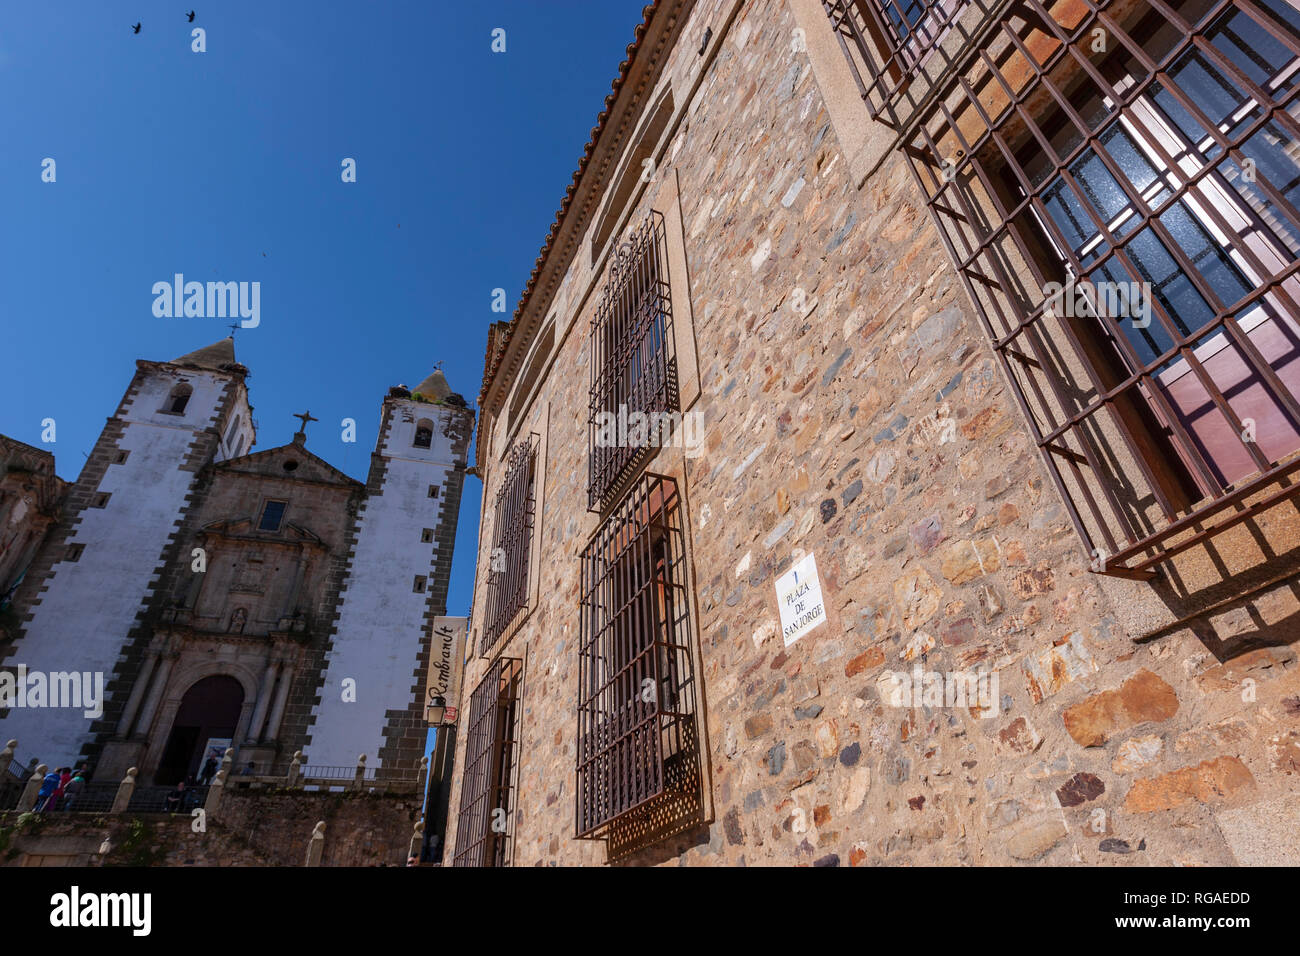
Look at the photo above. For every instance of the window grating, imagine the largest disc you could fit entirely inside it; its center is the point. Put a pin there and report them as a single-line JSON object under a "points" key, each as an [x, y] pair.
{"points": [[487, 785], [891, 44], [633, 366], [513, 534], [1117, 186], [638, 752]]}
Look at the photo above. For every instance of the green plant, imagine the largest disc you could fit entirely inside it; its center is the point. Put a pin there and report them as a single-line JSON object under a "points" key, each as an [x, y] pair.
{"points": [[136, 849]]}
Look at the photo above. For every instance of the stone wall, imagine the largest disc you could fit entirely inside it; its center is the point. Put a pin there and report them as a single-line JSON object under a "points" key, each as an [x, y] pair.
{"points": [[255, 829], [852, 409]]}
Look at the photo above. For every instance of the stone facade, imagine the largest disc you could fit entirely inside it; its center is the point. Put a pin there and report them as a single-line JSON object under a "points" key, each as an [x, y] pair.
{"points": [[30, 494], [257, 828], [852, 409]]}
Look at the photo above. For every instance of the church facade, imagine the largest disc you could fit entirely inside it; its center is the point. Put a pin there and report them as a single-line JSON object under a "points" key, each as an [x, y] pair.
{"points": [[261, 597]]}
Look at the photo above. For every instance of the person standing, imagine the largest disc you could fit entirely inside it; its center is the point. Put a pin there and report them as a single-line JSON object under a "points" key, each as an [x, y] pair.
{"points": [[65, 778], [49, 783], [73, 790], [210, 768]]}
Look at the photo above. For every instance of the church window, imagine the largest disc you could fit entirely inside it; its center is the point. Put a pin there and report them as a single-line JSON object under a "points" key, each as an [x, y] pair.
{"points": [[420, 582], [120, 459], [633, 366], [74, 552], [230, 432], [178, 399], [487, 794], [272, 515], [638, 757], [427, 535], [101, 499], [512, 537], [423, 433], [433, 491]]}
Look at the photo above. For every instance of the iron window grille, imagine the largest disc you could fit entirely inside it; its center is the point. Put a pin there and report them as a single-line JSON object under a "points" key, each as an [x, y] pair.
{"points": [[638, 756], [890, 43], [1164, 160], [487, 790], [512, 538], [633, 364]]}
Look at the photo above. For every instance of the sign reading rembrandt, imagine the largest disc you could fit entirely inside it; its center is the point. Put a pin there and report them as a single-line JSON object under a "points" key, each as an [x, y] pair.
{"points": [[446, 655], [799, 597]]}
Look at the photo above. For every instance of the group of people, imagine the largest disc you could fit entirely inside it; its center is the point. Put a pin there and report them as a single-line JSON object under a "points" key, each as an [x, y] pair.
{"points": [[61, 788]]}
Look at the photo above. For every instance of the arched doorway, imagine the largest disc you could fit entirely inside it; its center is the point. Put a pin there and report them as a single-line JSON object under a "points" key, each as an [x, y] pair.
{"points": [[210, 708]]}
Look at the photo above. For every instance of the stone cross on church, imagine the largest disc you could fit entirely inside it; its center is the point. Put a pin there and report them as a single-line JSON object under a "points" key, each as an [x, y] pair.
{"points": [[301, 435]]}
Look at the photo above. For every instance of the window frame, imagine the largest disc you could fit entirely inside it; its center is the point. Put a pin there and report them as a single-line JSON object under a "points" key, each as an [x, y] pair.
{"points": [[284, 510], [638, 760], [514, 519], [998, 250], [489, 780], [632, 341]]}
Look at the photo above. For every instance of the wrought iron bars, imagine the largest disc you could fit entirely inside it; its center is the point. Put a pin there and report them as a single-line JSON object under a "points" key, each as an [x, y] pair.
{"points": [[512, 538], [638, 754], [488, 782], [633, 364], [1118, 143]]}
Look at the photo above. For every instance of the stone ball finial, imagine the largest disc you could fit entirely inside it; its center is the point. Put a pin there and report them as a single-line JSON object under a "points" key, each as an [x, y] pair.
{"points": [[319, 830], [424, 761], [297, 755], [361, 758], [12, 745], [132, 773]]}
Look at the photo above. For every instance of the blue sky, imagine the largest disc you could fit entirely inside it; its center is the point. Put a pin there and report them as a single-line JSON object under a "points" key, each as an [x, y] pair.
{"points": [[225, 165]]}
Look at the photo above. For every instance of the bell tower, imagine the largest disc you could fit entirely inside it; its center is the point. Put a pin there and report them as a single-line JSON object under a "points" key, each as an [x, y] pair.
{"points": [[371, 697], [86, 595]]}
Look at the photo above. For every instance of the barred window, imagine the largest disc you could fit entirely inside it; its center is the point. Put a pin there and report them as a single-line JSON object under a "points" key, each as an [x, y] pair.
{"points": [[512, 537], [487, 790], [638, 751], [633, 367], [888, 43], [1117, 186]]}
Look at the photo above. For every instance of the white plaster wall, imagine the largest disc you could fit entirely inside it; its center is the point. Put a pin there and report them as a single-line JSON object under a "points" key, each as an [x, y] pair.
{"points": [[82, 620], [382, 619]]}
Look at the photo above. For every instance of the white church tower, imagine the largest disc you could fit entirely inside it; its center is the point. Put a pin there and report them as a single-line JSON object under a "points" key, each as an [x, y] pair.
{"points": [[371, 699], [86, 595]]}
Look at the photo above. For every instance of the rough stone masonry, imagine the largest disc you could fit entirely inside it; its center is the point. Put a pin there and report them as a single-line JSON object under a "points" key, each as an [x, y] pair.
{"points": [[863, 419]]}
